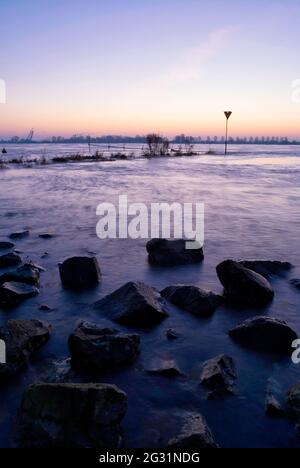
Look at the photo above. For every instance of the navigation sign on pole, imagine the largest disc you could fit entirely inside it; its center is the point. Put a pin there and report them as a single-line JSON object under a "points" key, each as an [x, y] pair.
{"points": [[227, 115]]}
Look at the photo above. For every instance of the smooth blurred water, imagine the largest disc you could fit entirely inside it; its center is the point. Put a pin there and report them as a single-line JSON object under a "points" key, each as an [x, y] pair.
{"points": [[252, 211]]}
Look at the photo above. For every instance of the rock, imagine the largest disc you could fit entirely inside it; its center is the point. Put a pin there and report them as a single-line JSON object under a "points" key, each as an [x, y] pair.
{"points": [[35, 266], [6, 245], [266, 267], [193, 299], [19, 235], [243, 286], [273, 407], [9, 260], [219, 376], [195, 435], [44, 308], [163, 252], [171, 334], [165, 369], [24, 274], [95, 349], [46, 236], [80, 273], [71, 416], [134, 304], [265, 334], [22, 338], [12, 294], [293, 402], [295, 282]]}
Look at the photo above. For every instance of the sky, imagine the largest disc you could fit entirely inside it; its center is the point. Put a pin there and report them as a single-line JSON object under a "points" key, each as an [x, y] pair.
{"points": [[132, 67]]}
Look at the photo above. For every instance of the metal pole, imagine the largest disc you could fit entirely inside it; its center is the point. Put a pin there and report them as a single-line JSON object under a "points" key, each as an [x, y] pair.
{"points": [[227, 115]]}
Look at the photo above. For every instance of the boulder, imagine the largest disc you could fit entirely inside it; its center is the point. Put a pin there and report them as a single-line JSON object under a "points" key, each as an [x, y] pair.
{"points": [[163, 252], [45, 308], [12, 294], [46, 236], [273, 407], [243, 286], [134, 304], [296, 283], [95, 349], [80, 273], [193, 299], [195, 435], [165, 369], [71, 416], [6, 245], [267, 267], [24, 274], [19, 235], [293, 402], [265, 334], [9, 260], [22, 338], [172, 334], [219, 376]]}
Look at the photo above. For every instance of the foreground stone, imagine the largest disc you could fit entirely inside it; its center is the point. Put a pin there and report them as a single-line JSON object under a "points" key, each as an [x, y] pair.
{"points": [[295, 282], [163, 252], [265, 334], [195, 435], [9, 260], [24, 274], [165, 369], [19, 235], [22, 339], [267, 267], [71, 416], [6, 245], [80, 273], [243, 286], [134, 304], [193, 299], [93, 348], [12, 294], [219, 376]]}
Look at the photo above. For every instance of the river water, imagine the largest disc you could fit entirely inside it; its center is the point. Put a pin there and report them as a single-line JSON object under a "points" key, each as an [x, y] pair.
{"points": [[251, 211]]}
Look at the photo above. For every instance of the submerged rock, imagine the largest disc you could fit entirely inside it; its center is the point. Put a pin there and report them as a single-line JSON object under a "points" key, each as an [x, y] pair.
{"points": [[6, 245], [12, 294], [193, 299], [273, 406], [219, 376], [195, 435], [163, 252], [171, 334], [9, 260], [80, 273], [167, 368], [59, 371], [267, 267], [35, 266], [45, 308], [22, 338], [46, 236], [265, 334], [71, 416], [24, 274], [93, 348], [134, 304], [19, 235], [243, 286], [295, 282]]}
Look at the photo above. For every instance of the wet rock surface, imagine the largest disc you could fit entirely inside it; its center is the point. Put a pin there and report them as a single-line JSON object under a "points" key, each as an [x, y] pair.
{"points": [[19, 234], [93, 348], [219, 376], [195, 434], [165, 368], [193, 299], [267, 268], [265, 334], [80, 273], [6, 245], [163, 252], [12, 294], [71, 416], [22, 339], [9, 260], [134, 304], [24, 274], [243, 286]]}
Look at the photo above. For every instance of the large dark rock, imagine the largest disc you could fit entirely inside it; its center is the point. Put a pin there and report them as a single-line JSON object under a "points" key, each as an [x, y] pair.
{"points": [[134, 304], [267, 267], [80, 273], [296, 283], [71, 416], [265, 334], [163, 252], [22, 338], [219, 376], [195, 435], [243, 286], [6, 245], [193, 299], [9, 260], [12, 294], [24, 274], [93, 348], [19, 235]]}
